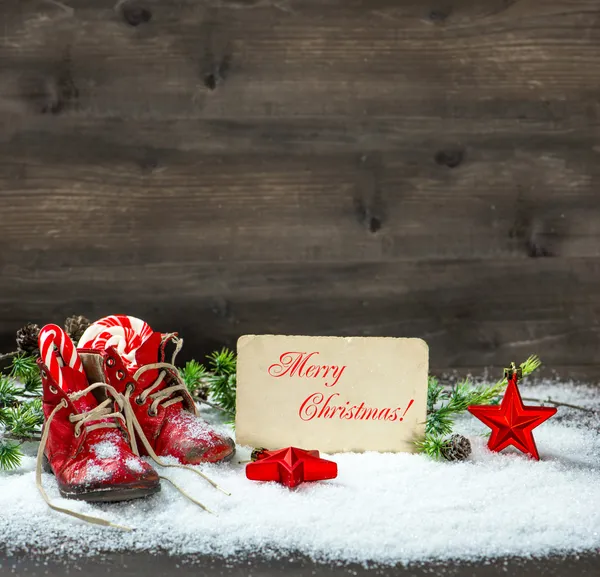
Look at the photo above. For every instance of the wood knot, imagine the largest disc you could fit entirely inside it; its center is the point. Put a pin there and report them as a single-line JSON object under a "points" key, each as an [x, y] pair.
{"points": [[210, 81], [439, 14], [216, 71], [366, 217], [134, 14], [449, 158]]}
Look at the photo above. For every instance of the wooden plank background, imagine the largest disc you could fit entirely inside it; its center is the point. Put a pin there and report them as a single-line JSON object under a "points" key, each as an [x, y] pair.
{"points": [[372, 167]]}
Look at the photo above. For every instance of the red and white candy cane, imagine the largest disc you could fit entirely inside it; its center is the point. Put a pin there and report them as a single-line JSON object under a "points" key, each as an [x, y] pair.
{"points": [[123, 332], [58, 350]]}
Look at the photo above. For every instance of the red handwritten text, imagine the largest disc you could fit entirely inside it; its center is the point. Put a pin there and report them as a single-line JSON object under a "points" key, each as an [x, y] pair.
{"points": [[295, 364], [318, 406]]}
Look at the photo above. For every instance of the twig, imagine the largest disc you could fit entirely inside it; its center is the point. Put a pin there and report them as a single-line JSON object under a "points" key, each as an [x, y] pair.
{"points": [[559, 404], [219, 408], [30, 439], [8, 355]]}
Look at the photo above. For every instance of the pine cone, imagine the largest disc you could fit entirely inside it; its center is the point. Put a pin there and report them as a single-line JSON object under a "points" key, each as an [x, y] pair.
{"points": [[257, 454], [27, 339], [456, 448], [75, 326]]}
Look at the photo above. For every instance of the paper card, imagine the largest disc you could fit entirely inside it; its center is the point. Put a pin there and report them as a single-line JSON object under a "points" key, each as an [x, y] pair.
{"points": [[333, 394]]}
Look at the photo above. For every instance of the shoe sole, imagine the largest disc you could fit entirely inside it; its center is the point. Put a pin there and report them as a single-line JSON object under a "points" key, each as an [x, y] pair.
{"points": [[108, 495]]}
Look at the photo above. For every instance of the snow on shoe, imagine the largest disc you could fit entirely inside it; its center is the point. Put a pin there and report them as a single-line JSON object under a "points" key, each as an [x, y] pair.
{"points": [[161, 403], [83, 443]]}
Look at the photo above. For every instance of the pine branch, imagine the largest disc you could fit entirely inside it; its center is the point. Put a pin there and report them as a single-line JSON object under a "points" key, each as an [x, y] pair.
{"points": [[194, 376], [24, 367], [10, 455], [22, 420], [8, 392], [431, 446], [222, 381]]}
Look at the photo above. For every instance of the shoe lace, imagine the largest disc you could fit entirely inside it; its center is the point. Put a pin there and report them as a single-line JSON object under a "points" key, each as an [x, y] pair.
{"points": [[105, 412], [164, 398]]}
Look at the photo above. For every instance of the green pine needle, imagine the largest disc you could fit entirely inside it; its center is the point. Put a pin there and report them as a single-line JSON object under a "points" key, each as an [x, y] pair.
{"points": [[23, 420], [8, 392], [33, 384], [10, 456], [222, 380], [24, 367], [194, 375], [431, 446]]}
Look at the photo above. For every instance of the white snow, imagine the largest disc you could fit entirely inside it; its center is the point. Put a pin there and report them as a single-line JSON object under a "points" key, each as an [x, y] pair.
{"points": [[134, 464], [106, 449], [95, 473], [383, 508]]}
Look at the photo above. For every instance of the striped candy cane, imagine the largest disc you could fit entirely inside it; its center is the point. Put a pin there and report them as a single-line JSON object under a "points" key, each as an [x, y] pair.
{"points": [[58, 350], [123, 332]]}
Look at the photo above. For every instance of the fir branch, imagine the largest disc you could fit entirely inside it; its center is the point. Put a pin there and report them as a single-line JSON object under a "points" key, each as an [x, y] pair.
{"points": [[194, 376], [431, 445], [222, 381], [33, 384], [8, 392], [24, 367], [22, 420], [10, 455]]}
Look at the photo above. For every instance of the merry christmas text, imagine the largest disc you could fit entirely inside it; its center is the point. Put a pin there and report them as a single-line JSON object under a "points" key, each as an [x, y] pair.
{"points": [[296, 364]]}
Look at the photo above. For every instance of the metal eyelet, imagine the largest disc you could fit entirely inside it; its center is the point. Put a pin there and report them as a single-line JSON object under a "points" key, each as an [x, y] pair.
{"points": [[53, 390], [152, 413], [120, 375], [78, 433], [130, 387], [139, 401], [44, 373], [110, 361]]}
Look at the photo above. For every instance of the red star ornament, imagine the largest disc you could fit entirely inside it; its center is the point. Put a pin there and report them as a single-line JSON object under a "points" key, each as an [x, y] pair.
{"points": [[290, 467], [512, 422]]}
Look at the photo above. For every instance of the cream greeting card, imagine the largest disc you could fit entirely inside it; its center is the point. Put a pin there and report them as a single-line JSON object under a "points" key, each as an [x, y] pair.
{"points": [[333, 394]]}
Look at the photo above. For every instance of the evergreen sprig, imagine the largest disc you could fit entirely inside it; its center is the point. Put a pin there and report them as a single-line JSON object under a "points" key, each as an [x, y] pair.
{"points": [[10, 455], [443, 405], [216, 382], [194, 376], [222, 379], [20, 409]]}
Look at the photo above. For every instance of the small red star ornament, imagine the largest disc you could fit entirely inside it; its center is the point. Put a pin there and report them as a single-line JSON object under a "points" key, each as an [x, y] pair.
{"points": [[290, 467], [512, 422]]}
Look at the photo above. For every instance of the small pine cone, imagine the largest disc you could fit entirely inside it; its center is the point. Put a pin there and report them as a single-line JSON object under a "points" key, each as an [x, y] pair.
{"points": [[456, 448], [27, 339], [75, 326], [257, 454]]}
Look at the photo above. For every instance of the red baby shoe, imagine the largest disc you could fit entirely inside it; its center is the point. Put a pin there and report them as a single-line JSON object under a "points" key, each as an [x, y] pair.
{"points": [[127, 354], [83, 443]]}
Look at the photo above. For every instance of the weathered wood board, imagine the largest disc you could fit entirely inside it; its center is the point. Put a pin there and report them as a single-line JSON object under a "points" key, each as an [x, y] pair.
{"points": [[375, 167]]}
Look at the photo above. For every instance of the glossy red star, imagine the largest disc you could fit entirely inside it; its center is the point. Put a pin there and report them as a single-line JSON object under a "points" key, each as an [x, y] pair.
{"points": [[290, 467], [512, 422]]}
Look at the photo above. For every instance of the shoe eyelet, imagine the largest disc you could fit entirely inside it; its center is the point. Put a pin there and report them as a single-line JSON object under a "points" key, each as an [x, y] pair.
{"points": [[110, 361], [44, 373], [130, 387], [139, 401], [120, 375], [78, 433], [53, 390], [152, 413]]}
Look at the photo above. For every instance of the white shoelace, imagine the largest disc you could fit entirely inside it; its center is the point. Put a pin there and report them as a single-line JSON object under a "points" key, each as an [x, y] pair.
{"points": [[132, 425]]}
